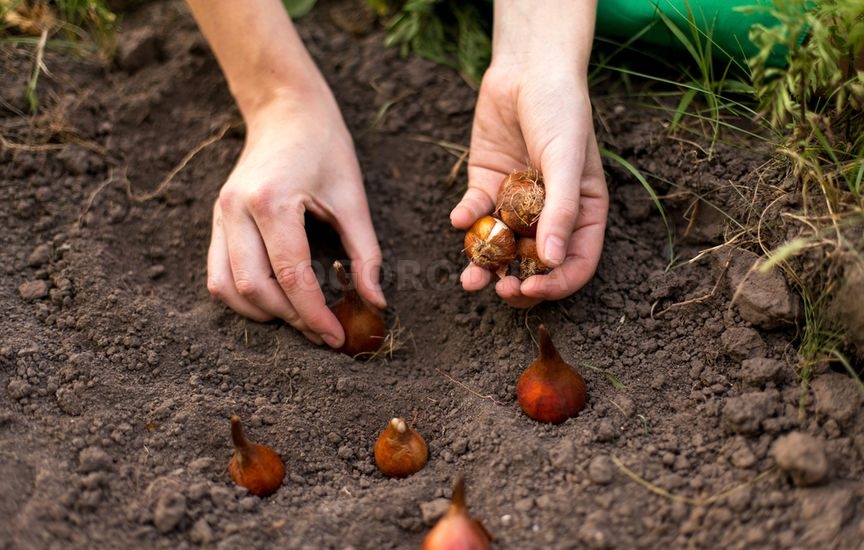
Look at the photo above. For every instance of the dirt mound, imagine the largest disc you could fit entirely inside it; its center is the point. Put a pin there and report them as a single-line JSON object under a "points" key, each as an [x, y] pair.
{"points": [[119, 373]]}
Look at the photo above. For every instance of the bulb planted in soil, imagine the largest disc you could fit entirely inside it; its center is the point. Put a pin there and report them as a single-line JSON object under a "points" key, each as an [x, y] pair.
{"points": [[457, 529], [550, 390], [400, 450], [256, 467], [363, 324]]}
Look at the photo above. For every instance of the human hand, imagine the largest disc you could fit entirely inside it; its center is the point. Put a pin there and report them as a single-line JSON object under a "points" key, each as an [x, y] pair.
{"points": [[531, 113], [298, 157]]}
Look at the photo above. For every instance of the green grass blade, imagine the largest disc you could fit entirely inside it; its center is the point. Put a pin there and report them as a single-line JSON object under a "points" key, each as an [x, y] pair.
{"points": [[640, 177]]}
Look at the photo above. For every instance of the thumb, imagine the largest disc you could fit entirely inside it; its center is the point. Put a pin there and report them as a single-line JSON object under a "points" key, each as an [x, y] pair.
{"points": [[479, 199], [562, 172]]}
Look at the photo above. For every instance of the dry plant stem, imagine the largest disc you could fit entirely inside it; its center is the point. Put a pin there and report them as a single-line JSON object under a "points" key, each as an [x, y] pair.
{"points": [[166, 181], [30, 147], [688, 500], [93, 194], [393, 342], [160, 188], [38, 67], [456, 149], [467, 388], [697, 300]]}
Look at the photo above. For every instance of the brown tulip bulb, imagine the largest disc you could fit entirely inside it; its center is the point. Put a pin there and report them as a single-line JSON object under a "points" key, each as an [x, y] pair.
{"points": [[256, 467], [491, 244], [520, 201], [529, 261], [400, 450], [458, 530], [550, 390], [363, 324]]}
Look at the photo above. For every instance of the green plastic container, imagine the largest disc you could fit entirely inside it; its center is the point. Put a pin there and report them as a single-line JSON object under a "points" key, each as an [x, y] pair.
{"points": [[718, 20]]}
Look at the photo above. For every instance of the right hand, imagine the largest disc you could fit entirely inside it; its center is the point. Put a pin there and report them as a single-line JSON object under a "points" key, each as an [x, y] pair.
{"points": [[298, 157]]}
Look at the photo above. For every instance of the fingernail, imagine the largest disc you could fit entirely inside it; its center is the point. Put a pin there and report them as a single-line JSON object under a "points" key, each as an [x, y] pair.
{"points": [[331, 340], [554, 250], [453, 214]]}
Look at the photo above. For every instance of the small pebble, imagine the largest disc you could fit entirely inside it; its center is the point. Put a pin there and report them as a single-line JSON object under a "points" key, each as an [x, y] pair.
{"points": [[33, 290], [169, 511], [432, 511], [802, 457], [40, 255], [601, 470], [201, 533], [94, 459]]}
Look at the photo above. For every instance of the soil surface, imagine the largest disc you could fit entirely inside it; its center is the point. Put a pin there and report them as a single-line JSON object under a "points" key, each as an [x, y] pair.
{"points": [[119, 374]]}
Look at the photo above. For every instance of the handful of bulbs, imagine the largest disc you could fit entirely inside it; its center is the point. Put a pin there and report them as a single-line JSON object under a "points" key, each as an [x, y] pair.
{"points": [[493, 242]]}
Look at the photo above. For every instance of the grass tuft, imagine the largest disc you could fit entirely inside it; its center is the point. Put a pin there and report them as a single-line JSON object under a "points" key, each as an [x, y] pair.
{"points": [[86, 26]]}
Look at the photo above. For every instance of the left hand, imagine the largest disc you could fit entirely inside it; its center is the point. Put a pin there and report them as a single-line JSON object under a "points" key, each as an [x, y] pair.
{"points": [[531, 113]]}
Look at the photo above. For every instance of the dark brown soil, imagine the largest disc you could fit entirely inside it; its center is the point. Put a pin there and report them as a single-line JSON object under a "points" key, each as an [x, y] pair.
{"points": [[119, 374]]}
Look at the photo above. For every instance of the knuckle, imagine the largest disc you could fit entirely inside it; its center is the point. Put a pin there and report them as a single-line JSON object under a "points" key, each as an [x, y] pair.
{"points": [[567, 208], [287, 277], [259, 199], [216, 287], [246, 288], [228, 199]]}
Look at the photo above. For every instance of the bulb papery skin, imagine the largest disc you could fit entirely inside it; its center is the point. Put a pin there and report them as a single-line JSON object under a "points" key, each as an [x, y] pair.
{"points": [[529, 260], [400, 450], [257, 468], [550, 390], [364, 326], [490, 244], [457, 530], [520, 201]]}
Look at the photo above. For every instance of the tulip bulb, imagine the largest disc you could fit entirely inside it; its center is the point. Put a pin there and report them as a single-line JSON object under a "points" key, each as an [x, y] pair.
{"points": [[400, 450], [550, 390], [363, 324], [256, 467], [529, 260], [490, 244], [457, 529], [520, 201]]}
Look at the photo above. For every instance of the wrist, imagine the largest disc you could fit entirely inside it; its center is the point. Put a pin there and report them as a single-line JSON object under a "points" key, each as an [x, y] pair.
{"points": [[529, 33], [255, 97]]}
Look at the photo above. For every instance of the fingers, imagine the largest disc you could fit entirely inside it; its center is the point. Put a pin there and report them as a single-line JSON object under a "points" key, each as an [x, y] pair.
{"points": [[562, 172], [582, 257], [360, 242], [220, 279], [509, 289], [477, 202], [288, 258], [475, 278]]}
